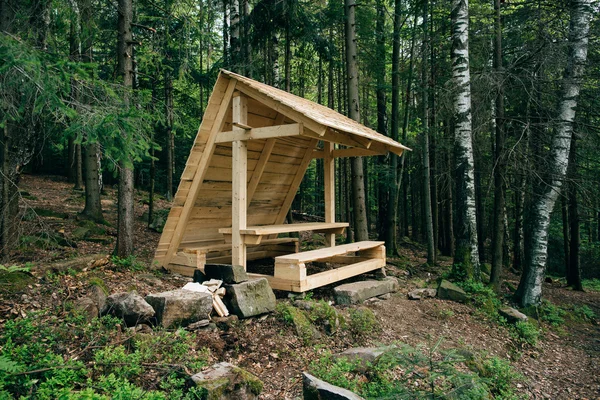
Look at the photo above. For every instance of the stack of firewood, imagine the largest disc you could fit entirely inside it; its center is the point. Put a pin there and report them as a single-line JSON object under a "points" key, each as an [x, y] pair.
{"points": [[218, 292]]}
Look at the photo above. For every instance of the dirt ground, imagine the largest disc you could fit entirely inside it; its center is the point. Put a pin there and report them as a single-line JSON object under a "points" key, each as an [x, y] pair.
{"points": [[564, 365]]}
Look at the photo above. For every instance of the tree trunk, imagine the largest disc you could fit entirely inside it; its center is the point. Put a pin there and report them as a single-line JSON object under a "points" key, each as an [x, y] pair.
{"points": [[425, 139], [170, 145], [391, 239], [361, 231], [384, 201], [91, 151], [226, 60], [125, 207], [518, 233], [529, 291], [234, 40], [574, 267], [466, 255], [499, 208]]}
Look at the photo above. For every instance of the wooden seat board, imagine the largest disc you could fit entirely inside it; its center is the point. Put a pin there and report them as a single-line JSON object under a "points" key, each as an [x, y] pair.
{"points": [[287, 228], [320, 254]]}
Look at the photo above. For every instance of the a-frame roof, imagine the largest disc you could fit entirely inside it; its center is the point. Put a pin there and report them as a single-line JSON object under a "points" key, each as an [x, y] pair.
{"points": [[275, 166], [320, 114]]}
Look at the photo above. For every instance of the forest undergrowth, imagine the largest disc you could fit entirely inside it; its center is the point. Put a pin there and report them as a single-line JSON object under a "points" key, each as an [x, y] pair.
{"points": [[433, 347]]}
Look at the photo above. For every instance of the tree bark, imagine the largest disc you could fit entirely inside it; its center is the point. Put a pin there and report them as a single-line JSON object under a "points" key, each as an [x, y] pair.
{"points": [[466, 252], [384, 193], [91, 151], [170, 145], [361, 230], [499, 163], [574, 266], [125, 220], [529, 291], [428, 214], [234, 40]]}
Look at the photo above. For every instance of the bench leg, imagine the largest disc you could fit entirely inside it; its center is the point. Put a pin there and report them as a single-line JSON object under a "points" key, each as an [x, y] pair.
{"points": [[292, 272], [377, 253]]}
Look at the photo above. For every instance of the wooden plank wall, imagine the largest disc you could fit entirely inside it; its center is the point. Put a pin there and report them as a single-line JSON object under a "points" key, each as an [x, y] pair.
{"points": [[212, 207]]}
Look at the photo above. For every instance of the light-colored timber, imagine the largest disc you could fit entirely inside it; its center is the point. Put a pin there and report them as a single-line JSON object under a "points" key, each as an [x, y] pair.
{"points": [[244, 169]]}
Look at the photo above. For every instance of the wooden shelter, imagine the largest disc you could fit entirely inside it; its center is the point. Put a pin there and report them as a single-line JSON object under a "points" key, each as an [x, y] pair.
{"points": [[244, 169]]}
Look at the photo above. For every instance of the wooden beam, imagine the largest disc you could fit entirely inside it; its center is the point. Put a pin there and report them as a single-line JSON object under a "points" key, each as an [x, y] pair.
{"points": [[216, 127], [267, 132], [287, 228], [241, 126], [262, 161], [329, 181], [289, 112], [239, 185], [351, 152]]}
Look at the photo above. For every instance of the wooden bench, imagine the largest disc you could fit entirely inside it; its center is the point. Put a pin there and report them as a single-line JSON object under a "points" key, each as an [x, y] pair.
{"points": [[290, 270], [254, 234], [221, 252]]}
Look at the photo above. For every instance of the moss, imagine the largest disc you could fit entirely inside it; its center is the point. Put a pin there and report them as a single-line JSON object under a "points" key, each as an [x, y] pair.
{"points": [[11, 282], [255, 384], [299, 319], [42, 212], [95, 281]]}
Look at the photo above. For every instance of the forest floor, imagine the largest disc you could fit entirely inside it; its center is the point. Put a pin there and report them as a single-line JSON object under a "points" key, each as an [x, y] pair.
{"points": [[564, 364]]}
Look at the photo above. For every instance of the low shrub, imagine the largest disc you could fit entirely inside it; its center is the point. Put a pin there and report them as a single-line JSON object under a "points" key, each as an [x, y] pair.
{"points": [[362, 321]]}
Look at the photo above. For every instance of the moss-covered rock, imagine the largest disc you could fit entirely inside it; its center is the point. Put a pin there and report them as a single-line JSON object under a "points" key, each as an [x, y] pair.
{"points": [[225, 381]]}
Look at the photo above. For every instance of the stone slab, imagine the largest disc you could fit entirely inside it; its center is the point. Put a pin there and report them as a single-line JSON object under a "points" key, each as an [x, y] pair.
{"points": [[358, 292], [250, 298]]}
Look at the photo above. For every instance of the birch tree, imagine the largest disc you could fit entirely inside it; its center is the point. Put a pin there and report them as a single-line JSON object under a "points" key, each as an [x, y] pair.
{"points": [[545, 194], [466, 254]]}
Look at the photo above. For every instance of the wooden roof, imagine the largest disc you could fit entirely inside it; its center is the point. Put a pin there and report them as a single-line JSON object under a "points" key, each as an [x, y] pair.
{"points": [[275, 167], [320, 114]]}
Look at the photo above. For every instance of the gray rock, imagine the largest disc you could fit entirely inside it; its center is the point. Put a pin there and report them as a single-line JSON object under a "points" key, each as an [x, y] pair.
{"points": [[419, 294], [304, 305], [87, 307], [363, 356], [225, 381], [131, 307], [316, 389], [449, 291], [512, 315], [357, 292], [226, 273], [251, 298], [98, 296], [180, 307], [386, 296]]}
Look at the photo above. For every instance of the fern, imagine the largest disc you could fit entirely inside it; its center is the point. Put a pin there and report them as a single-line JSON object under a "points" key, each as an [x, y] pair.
{"points": [[9, 366], [14, 268]]}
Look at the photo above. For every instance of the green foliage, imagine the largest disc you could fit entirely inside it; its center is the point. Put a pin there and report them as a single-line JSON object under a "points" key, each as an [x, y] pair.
{"points": [[299, 319], [405, 372], [483, 297], [592, 285], [128, 263], [32, 360], [14, 268], [362, 321], [551, 314], [584, 313], [526, 332], [325, 315]]}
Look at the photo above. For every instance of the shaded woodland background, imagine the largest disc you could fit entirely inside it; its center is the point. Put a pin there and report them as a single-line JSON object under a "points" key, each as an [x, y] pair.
{"points": [[65, 110]]}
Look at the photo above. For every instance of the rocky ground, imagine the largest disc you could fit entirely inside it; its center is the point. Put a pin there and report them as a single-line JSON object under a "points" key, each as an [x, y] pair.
{"points": [[563, 365]]}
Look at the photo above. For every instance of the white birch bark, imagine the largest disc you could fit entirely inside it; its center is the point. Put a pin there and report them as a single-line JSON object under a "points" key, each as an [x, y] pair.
{"points": [[538, 214], [467, 254], [234, 40]]}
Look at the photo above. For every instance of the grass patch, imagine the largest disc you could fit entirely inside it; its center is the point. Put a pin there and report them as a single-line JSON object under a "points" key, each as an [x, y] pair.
{"points": [[129, 263], [593, 285]]}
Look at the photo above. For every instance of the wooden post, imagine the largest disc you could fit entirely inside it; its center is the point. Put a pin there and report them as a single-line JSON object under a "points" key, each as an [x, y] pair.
{"points": [[239, 184], [329, 180]]}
